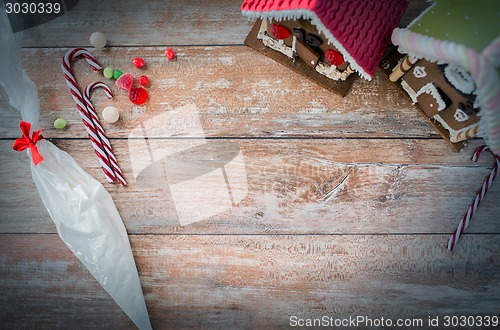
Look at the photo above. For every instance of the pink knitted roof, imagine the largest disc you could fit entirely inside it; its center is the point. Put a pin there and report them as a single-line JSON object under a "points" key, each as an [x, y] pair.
{"points": [[359, 29]]}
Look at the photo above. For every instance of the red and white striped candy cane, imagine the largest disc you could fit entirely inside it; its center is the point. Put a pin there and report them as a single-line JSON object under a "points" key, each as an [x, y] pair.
{"points": [[82, 109], [464, 223], [100, 130]]}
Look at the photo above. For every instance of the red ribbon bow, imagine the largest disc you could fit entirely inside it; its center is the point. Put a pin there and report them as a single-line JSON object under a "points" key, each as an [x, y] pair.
{"points": [[27, 142]]}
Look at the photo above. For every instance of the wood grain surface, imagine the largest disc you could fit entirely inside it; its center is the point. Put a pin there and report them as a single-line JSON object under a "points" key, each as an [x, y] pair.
{"points": [[256, 281], [267, 101], [294, 186], [340, 207]]}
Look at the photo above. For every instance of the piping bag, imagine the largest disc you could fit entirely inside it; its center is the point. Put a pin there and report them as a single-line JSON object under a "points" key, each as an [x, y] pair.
{"points": [[85, 216]]}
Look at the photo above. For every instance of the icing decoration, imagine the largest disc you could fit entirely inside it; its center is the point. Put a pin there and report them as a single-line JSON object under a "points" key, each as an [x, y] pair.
{"points": [[359, 30], [26, 142], [465, 134], [460, 79], [276, 45], [329, 71], [464, 223], [263, 29], [429, 88], [460, 115], [419, 72], [280, 32], [294, 45], [457, 135], [472, 44], [410, 91]]}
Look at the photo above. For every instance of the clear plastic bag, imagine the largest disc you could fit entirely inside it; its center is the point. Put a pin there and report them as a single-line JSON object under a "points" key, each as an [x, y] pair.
{"points": [[85, 216]]}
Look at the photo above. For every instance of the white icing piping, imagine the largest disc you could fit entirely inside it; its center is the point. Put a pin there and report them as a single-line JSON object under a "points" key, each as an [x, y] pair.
{"points": [[277, 45], [329, 71], [410, 91], [280, 15], [430, 89], [460, 78], [454, 133]]}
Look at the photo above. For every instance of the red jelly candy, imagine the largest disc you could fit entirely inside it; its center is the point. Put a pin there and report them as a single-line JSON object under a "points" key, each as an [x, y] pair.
{"points": [[138, 62], [170, 54], [138, 95], [280, 32], [333, 57], [125, 81], [143, 80]]}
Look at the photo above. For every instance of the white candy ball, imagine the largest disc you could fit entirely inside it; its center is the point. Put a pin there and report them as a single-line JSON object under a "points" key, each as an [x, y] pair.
{"points": [[110, 114], [98, 40]]}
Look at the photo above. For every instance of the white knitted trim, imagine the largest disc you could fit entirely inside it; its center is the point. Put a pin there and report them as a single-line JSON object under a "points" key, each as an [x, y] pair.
{"points": [[281, 15]]}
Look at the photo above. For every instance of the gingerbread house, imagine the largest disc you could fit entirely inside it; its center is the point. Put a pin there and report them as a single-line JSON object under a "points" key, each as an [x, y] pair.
{"points": [[451, 69], [326, 40]]}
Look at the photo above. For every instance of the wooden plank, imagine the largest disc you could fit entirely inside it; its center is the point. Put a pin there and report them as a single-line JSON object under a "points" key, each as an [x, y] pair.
{"points": [[269, 100], [256, 282], [284, 186], [130, 23]]}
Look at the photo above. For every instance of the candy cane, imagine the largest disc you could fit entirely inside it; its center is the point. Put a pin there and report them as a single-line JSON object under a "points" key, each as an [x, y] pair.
{"points": [[100, 130], [82, 109], [464, 223]]}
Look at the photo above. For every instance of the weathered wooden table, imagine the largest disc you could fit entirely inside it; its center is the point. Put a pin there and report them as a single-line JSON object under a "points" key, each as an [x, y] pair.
{"points": [[349, 201]]}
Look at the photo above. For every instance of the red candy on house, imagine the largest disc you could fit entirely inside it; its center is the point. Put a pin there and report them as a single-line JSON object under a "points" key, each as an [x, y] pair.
{"points": [[333, 57], [143, 80], [170, 54], [280, 32], [138, 95], [138, 62]]}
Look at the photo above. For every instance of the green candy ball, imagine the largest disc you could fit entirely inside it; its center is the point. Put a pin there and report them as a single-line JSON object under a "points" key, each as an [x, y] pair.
{"points": [[117, 74], [60, 123], [108, 72]]}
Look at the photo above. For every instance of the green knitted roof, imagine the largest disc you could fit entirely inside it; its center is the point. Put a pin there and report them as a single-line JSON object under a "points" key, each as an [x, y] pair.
{"points": [[473, 23]]}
